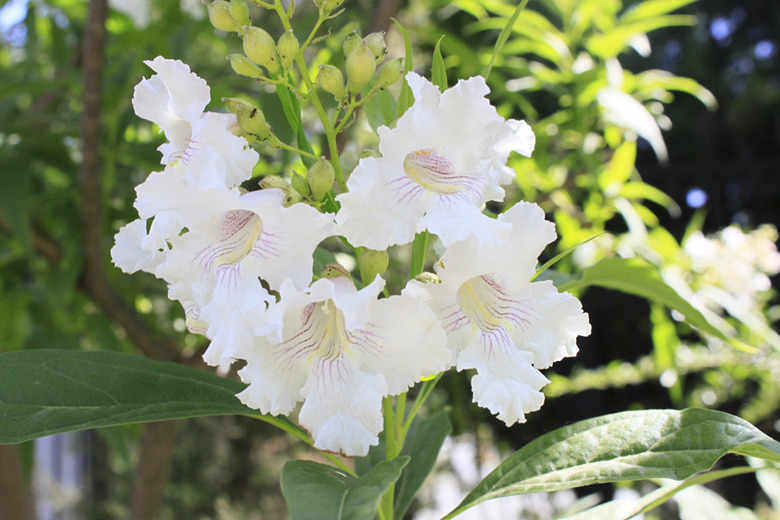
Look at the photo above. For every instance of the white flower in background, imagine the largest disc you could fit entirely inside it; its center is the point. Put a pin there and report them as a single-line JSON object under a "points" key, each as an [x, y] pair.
{"points": [[738, 262], [500, 323], [174, 99], [444, 159], [340, 351]]}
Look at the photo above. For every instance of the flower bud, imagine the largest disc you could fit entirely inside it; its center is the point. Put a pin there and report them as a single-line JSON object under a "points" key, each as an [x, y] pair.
{"points": [[287, 47], [220, 17], [252, 121], [259, 47], [320, 177], [274, 181], [241, 65], [327, 6], [300, 185], [372, 263], [235, 104], [239, 12], [390, 73], [334, 271], [330, 79], [350, 42], [360, 66], [376, 43]]}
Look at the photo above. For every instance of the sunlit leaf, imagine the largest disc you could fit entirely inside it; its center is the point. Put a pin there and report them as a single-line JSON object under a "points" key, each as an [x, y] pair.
{"points": [[627, 446]]}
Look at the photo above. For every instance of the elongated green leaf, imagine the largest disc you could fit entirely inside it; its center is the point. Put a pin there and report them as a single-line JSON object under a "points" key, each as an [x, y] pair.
{"points": [[51, 391], [653, 8], [438, 69], [503, 36], [632, 276], [611, 43], [626, 446], [405, 98], [315, 491], [423, 444], [292, 111], [419, 253]]}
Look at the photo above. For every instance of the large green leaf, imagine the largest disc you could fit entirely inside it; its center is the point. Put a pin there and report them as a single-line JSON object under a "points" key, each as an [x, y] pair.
{"points": [[623, 447], [423, 444], [51, 391], [635, 277], [315, 491]]}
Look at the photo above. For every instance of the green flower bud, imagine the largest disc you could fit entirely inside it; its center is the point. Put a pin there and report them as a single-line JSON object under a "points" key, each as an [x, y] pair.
{"points": [[240, 12], [372, 263], [334, 271], [330, 79], [427, 278], [287, 47], [376, 42], [300, 185], [274, 181], [259, 47], [390, 73], [252, 121], [350, 42], [328, 6], [320, 177], [220, 17], [235, 104], [241, 65], [360, 66]]}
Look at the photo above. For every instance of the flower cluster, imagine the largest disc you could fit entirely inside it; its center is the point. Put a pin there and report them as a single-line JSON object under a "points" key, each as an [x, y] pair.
{"points": [[241, 262]]}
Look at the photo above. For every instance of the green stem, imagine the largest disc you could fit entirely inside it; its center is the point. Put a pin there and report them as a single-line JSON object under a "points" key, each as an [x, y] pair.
{"points": [[311, 94], [298, 433], [276, 143]]}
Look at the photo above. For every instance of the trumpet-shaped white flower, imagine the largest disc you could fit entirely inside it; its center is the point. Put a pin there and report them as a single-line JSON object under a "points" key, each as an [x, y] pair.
{"points": [[174, 99], [340, 351], [444, 159], [233, 243], [500, 323]]}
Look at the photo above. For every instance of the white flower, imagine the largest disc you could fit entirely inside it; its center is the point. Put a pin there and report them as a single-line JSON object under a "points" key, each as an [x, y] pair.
{"points": [[231, 246], [444, 159], [340, 351], [500, 323], [174, 99]]}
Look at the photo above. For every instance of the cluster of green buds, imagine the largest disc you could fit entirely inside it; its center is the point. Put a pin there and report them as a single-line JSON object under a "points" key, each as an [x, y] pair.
{"points": [[363, 56], [260, 50], [228, 15]]}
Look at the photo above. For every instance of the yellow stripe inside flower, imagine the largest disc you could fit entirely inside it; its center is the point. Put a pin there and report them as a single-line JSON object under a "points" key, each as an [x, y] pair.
{"points": [[434, 172], [334, 338], [488, 307], [239, 231]]}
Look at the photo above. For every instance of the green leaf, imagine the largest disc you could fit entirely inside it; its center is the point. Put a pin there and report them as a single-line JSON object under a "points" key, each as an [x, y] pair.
{"points": [[423, 444], [503, 36], [611, 43], [652, 8], [419, 253], [405, 98], [381, 109], [633, 276], [315, 491], [51, 391], [438, 69], [627, 446], [292, 111]]}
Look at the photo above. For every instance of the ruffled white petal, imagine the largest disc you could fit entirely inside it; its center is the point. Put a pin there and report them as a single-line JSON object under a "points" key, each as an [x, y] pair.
{"points": [[506, 383], [436, 171]]}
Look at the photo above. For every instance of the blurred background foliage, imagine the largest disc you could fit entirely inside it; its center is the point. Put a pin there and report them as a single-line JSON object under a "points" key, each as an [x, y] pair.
{"points": [[658, 130]]}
